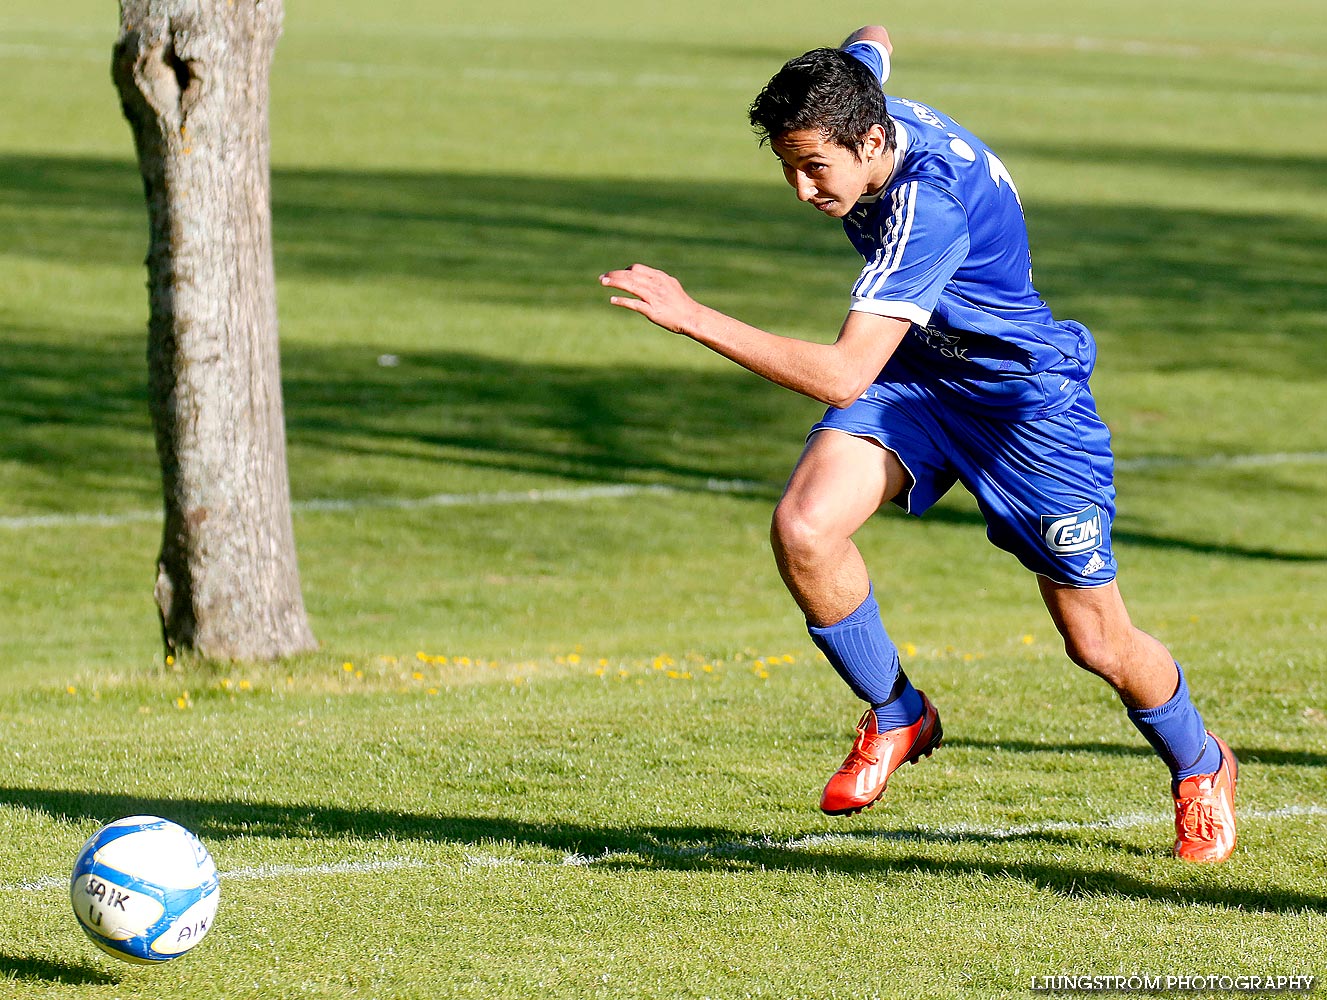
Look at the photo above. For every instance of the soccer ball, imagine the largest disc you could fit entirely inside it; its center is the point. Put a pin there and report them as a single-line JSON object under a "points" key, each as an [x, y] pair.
{"points": [[144, 889]]}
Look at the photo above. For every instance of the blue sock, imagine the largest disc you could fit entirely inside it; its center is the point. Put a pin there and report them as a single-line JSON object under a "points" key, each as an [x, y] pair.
{"points": [[1177, 734], [860, 650]]}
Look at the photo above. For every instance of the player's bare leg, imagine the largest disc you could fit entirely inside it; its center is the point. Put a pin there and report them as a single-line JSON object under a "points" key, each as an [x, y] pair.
{"points": [[1099, 637], [839, 482]]}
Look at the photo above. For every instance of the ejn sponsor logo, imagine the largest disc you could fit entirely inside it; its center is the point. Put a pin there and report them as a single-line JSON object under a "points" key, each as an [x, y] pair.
{"points": [[1067, 534]]}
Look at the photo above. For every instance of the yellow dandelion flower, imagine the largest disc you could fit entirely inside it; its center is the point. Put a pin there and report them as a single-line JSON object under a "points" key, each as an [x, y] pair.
{"points": [[440, 660], [170, 661], [245, 685], [909, 649], [673, 674], [968, 657], [422, 656], [599, 672], [1029, 639], [463, 661], [603, 662], [71, 689], [624, 673], [433, 690], [708, 668], [227, 683], [417, 676], [574, 659], [359, 675], [347, 667], [758, 665]]}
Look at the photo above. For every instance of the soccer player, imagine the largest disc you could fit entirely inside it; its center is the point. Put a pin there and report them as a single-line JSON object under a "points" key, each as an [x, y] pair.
{"points": [[948, 368]]}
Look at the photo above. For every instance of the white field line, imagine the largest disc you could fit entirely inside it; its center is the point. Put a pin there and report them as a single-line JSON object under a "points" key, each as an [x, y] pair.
{"points": [[755, 845], [1146, 462], [612, 491], [1133, 47], [573, 494]]}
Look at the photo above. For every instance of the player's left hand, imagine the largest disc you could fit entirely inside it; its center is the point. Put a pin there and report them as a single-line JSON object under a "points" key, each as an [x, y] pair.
{"points": [[655, 294]]}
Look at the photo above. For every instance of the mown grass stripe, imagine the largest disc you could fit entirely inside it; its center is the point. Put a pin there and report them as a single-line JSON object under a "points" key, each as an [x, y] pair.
{"points": [[1019, 41]]}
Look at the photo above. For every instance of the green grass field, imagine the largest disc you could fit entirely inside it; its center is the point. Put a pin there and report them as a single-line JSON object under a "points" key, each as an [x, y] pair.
{"points": [[566, 735]]}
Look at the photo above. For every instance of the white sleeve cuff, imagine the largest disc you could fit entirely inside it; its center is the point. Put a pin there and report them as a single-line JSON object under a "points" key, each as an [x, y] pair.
{"points": [[884, 58], [894, 309]]}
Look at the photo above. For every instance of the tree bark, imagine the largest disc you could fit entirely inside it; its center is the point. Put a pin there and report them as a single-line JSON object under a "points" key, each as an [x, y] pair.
{"points": [[193, 83]]}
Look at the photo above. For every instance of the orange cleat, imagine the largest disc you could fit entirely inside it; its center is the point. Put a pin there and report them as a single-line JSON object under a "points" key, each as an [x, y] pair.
{"points": [[1205, 812], [875, 756]]}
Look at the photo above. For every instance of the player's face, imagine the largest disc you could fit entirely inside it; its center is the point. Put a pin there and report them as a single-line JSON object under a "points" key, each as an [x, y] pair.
{"points": [[828, 176]]}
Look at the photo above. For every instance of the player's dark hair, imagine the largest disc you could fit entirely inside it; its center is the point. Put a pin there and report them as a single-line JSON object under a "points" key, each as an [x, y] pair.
{"points": [[826, 90]]}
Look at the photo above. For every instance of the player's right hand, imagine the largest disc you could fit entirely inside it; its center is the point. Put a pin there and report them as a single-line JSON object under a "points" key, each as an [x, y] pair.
{"points": [[655, 294]]}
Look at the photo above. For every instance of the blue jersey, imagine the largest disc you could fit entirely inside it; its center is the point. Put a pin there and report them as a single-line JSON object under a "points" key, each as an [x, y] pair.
{"points": [[946, 249]]}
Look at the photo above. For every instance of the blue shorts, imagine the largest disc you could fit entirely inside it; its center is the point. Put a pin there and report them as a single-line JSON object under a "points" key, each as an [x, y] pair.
{"points": [[1045, 487]]}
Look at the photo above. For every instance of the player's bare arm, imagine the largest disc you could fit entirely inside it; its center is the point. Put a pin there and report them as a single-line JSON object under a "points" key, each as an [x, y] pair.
{"points": [[835, 374]]}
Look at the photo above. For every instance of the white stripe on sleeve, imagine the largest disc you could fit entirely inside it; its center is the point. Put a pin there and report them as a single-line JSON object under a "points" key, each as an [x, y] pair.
{"points": [[903, 203]]}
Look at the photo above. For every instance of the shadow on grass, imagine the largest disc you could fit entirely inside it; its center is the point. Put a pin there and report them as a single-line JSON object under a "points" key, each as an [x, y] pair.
{"points": [[1167, 275], [1027, 746], [75, 413], [1252, 755], [595, 424], [28, 968], [590, 424], [1144, 539], [684, 848]]}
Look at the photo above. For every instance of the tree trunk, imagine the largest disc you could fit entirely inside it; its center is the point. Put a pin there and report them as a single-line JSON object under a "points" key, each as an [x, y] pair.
{"points": [[193, 82]]}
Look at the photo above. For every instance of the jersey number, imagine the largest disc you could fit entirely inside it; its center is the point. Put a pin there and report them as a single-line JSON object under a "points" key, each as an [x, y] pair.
{"points": [[1000, 174]]}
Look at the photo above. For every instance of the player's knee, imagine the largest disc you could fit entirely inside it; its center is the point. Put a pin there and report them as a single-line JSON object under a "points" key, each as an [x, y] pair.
{"points": [[1099, 653], [795, 531]]}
